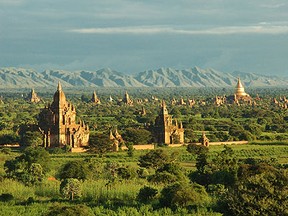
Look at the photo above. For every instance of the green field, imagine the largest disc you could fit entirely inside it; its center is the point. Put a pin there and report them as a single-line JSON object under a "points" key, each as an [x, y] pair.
{"points": [[121, 197]]}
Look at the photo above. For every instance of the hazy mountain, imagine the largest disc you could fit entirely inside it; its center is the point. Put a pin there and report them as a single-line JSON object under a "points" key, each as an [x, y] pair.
{"points": [[163, 77]]}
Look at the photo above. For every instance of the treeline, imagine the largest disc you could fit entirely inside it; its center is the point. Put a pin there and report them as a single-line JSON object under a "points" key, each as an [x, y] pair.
{"points": [[263, 121]]}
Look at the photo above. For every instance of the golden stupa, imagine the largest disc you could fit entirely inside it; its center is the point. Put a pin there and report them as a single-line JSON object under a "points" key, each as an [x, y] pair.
{"points": [[240, 91]]}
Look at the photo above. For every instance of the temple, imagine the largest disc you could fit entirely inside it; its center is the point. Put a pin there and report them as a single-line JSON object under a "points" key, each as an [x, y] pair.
{"points": [[58, 125], [204, 139], [240, 92], [95, 99], [166, 130], [127, 100], [33, 97]]}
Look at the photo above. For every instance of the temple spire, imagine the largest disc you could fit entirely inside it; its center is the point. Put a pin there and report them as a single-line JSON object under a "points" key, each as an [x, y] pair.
{"points": [[240, 91], [59, 88], [59, 99], [239, 84], [164, 110]]}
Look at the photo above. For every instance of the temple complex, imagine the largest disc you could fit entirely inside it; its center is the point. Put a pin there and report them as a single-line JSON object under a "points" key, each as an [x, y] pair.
{"points": [[166, 130], [33, 97], [58, 125]]}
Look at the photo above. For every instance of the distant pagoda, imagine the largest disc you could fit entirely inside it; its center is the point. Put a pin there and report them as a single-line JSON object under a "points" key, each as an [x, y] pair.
{"points": [[127, 100], [240, 93], [95, 99], [33, 97]]}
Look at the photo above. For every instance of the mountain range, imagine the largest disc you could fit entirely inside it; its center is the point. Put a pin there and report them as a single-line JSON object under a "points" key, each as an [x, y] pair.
{"points": [[164, 77]]}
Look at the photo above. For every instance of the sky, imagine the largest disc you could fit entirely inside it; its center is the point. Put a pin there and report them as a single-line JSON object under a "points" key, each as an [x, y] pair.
{"points": [[131, 36]]}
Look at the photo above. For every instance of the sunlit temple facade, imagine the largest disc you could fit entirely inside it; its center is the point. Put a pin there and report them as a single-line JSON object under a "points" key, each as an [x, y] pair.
{"points": [[58, 125]]}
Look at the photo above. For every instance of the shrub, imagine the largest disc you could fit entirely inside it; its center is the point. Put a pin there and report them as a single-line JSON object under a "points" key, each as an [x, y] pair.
{"points": [[75, 210], [6, 151], [8, 137], [6, 197], [197, 149], [124, 172], [142, 172], [147, 194], [56, 151], [163, 177]]}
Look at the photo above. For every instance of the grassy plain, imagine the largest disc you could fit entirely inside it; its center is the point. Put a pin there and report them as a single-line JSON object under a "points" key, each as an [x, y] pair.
{"points": [[39, 199]]}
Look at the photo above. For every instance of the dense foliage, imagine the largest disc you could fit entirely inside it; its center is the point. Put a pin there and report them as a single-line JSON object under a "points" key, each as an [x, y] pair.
{"points": [[193, 180], [267, 120]]}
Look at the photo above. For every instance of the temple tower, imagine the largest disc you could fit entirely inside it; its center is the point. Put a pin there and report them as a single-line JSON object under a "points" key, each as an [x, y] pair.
{"points": [[127, 99], [33, 97], [95, 99], [166, 130], [58, 123]]}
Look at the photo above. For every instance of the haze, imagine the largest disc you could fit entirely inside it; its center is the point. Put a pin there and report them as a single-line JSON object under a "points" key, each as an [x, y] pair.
{"points": [[137, 35]]}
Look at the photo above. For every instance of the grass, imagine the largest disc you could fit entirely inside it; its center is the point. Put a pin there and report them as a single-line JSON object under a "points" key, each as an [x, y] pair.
{"points": [[100, 198]]}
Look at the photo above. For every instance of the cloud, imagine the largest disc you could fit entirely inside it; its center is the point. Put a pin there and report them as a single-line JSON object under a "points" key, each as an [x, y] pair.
{"points": [[257, 29], [274, 5]]}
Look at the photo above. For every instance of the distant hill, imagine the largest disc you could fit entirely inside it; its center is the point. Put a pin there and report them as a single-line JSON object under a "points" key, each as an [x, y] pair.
{"points": [[163, 77]]}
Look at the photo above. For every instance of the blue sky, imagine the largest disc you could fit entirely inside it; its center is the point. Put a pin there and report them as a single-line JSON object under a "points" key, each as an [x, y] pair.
{"points": [[136, 35]]}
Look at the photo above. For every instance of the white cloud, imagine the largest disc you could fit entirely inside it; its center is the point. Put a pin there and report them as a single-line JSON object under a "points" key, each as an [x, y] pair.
{"points": [[257, 29], [274, 5]]}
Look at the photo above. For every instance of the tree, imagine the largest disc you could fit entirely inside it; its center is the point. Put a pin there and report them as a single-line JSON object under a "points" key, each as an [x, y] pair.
{"points": [[190, 135], [37, 155], [163, 177], [261, 190], [100, 143], [168, 173], [74, 169], [254, 129], [8, 137], [130, 149], [34, 174], [31, 138], [221, 170], [70, 188], [154, 159], [29, 167], [197, 149], [137, 136], [181, 194], [202, 175], [224, 167]]}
